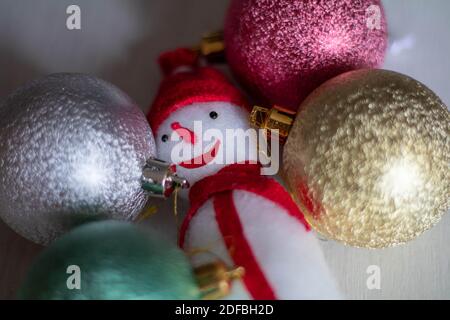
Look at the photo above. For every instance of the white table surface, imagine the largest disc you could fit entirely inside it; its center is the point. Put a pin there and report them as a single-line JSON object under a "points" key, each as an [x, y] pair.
{"points": [[120, 40]]}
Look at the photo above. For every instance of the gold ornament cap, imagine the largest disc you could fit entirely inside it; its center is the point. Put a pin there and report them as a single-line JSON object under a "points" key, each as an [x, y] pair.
{"points": [[276, 118], [215, 279], [212, 47]]}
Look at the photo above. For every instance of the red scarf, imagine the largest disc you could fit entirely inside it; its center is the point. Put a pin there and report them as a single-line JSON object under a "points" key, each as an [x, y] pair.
{"points": [[219, 187]]}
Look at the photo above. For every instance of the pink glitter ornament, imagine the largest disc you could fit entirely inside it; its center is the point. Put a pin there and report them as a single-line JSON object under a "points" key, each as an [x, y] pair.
{"points": [[281, 50]]}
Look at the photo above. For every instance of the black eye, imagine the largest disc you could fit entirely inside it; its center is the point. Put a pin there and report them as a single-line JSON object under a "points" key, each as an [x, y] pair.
{"points": [[213, 115], [165, 138]]}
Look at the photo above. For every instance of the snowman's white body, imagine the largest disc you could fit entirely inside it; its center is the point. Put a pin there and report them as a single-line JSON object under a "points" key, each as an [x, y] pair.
{"points": [[287, 254]]}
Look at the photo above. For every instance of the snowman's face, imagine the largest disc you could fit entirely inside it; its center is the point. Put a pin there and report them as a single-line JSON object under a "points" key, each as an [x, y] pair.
{"points": [[197, 139]]}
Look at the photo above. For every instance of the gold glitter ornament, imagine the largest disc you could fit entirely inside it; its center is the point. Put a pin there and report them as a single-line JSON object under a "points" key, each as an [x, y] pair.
{"points": [[368, 158]]}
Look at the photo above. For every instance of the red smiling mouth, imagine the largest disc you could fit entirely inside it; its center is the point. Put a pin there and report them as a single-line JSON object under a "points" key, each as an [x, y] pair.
{"points": [[203, 159]]}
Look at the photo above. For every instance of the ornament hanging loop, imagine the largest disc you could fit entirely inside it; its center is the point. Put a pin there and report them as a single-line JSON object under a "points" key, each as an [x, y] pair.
{"points": [[159, 179]]}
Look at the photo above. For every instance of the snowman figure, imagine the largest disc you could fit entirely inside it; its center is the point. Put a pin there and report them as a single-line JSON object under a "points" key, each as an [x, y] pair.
{"points": [[198, 117], [247, 220]]}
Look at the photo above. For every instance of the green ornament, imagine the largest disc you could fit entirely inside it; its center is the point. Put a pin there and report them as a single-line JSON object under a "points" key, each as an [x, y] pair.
{"points": [[112, 260]]}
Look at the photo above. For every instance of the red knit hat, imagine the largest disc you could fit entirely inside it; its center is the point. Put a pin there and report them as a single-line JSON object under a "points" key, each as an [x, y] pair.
{"points": [[198, 84]]}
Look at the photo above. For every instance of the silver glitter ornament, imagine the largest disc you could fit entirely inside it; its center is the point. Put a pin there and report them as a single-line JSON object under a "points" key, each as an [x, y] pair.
{"points": [[72, 148]]}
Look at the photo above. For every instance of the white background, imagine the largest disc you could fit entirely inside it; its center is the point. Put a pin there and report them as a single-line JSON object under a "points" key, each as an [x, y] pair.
{"points": [[120, 41]]}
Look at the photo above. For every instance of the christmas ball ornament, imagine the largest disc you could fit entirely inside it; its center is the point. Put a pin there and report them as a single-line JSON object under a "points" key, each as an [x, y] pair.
{"points": [[110, 260], [251, 222], [368, 158], [190, 116], [282, 50], [74, 148]]}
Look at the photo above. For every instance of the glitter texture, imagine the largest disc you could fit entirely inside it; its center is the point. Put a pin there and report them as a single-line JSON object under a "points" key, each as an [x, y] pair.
{"points": [[72, 148], [281, 50], [117, 261], [368, 158]]}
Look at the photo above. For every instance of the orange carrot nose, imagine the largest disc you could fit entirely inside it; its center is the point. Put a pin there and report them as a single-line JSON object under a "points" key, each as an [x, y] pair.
{"points": [[187, 135]]}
